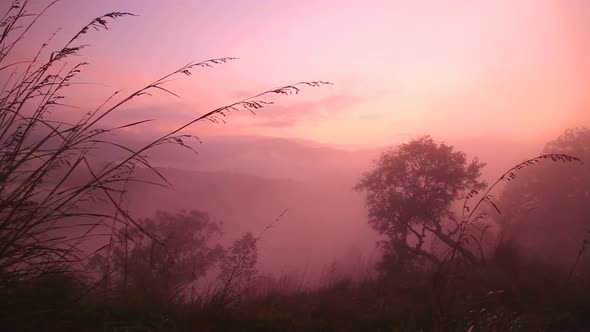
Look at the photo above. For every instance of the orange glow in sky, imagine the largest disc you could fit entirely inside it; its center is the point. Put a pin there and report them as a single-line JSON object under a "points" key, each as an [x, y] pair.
{"points": [[454, 68]]}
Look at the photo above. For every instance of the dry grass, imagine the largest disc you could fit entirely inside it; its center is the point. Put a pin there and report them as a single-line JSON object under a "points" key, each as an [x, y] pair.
{"points": [[47, 180]]}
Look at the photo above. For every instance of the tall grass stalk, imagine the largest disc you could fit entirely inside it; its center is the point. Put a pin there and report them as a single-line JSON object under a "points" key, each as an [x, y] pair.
{"points": [[43, 197]]}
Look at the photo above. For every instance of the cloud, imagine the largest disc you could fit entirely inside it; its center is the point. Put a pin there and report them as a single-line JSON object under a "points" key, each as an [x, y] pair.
{"points": [[279, 123], [286, 116], [282, 114]]}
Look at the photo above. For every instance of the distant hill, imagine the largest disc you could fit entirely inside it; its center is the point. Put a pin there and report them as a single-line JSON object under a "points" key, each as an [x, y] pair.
{"points": [[325, 220], [248, 181]]}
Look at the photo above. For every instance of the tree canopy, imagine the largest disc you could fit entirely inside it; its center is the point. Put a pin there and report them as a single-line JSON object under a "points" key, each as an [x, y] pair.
{"points": [[410, 192], [551, 199], [180, 251]]}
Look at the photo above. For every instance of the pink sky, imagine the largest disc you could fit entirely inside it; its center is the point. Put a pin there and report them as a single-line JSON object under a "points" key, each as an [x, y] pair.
{"points": [[453, 69]]}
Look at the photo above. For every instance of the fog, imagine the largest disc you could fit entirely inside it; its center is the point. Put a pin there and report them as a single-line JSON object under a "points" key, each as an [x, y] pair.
{"points": [[294, 166], [246, 182]]}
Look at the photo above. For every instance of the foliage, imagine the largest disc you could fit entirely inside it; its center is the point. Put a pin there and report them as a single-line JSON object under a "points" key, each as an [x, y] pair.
{"points": [[49, 185], [137, 264], [50, 190], [240, 261], [238, 268], [551, 200], [410, 192]]}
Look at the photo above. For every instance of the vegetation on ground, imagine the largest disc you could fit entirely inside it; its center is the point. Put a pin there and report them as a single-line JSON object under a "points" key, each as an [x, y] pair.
{"points": [[457, 252]]}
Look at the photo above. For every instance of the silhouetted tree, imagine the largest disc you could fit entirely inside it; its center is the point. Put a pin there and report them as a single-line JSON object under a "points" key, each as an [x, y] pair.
{"points": [[50, 180], [237, 269], [142, 266], [546, 211], [240, 262], [409, 195]]}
